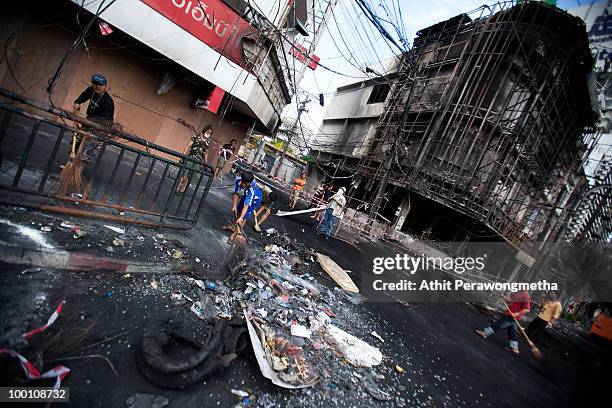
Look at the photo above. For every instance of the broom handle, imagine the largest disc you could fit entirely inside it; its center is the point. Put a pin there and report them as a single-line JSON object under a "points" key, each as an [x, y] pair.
{"points": [[74, 140], [519, 325]]}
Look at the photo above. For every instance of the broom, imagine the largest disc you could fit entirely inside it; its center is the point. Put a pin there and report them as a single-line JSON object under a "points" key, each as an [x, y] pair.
{"points": [[71, 176], [534, 349], [236, 254]]}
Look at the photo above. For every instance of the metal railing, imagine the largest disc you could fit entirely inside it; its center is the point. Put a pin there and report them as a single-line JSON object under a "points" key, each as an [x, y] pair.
{"points": [[127, 179]]}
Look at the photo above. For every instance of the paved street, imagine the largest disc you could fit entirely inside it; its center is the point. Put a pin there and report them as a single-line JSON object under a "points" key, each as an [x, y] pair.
{"points": [[446, 363]]}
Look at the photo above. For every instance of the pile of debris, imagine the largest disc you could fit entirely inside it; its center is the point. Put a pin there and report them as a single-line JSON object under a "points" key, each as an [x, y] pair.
{"points": [[297, 338]]}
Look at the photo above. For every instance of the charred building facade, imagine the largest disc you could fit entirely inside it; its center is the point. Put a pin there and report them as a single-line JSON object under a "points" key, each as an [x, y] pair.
{"points": [[485, 128]]}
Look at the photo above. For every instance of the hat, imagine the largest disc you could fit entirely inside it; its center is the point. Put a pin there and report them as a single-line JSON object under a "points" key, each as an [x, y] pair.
{"points": [[99, 79]]}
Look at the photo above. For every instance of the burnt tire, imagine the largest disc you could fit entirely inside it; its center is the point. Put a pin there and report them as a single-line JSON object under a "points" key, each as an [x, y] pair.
{"points": [[155, 342], [156, 364], [182, 380]]}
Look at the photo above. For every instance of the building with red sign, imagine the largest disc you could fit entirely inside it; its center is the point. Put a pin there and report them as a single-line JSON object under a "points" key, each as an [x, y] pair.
{"points": [[225, 63]]}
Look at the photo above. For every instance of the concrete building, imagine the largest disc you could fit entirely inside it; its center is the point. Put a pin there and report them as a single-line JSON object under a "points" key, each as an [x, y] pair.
{"points": [[484, 132], [224, 63]]}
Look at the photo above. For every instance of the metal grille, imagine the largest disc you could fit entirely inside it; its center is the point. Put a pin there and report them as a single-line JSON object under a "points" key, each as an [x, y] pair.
{"points": [[126, 180]]}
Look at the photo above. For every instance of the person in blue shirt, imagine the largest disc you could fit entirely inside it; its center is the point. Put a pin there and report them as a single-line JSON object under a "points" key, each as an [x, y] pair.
{"points": [[246, 200]]}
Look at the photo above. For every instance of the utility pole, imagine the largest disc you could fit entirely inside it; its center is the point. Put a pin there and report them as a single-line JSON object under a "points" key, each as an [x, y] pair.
{"points": [[279, 162]]}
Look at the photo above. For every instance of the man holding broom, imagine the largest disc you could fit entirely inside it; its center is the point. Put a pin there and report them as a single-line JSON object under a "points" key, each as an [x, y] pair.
{"points": [[100, 109], [520, 304]]}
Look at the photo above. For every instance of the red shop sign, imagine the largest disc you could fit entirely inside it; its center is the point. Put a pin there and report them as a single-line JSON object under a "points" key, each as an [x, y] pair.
{"points": [[214, 23]]}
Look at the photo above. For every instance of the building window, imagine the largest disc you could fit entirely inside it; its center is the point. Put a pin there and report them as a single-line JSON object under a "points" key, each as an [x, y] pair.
{"points": [[379, 93]]}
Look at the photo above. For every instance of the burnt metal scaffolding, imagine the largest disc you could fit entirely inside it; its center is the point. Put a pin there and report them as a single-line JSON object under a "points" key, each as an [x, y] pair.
{"points": [[592, 219], [491, 116]]}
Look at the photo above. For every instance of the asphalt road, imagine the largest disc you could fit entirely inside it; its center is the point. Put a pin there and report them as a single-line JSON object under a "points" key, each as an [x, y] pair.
{"points": [[446, 363]]}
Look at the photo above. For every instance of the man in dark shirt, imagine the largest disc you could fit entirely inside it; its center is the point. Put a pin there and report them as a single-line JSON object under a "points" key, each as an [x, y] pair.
{"points": [[101, 109]]}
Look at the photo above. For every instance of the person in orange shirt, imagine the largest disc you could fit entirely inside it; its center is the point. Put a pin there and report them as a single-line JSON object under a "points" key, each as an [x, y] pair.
{"points": [[298, 186]]}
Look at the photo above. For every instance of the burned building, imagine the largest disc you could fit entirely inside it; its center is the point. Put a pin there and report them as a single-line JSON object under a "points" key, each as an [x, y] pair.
{"points": [[592, 218], [484, 130]]}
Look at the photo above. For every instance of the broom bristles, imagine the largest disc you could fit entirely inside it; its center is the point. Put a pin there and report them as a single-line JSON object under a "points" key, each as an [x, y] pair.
{"points": [[535, 351], [71, 178]]}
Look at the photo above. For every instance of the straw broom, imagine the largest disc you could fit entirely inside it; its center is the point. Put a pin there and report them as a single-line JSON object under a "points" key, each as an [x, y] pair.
{"points": [[71, 176], [534, 349]]}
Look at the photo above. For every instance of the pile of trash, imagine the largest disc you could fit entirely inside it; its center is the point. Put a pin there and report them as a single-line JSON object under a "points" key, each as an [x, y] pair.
{"points": [[291, 320]]}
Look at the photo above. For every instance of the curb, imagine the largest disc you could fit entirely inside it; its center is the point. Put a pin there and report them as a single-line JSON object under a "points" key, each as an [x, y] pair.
{"points": [[78, 261]]}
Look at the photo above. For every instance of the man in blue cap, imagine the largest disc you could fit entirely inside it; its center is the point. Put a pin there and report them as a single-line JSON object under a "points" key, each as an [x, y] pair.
{"points": [[101, 107], [245, 205]]}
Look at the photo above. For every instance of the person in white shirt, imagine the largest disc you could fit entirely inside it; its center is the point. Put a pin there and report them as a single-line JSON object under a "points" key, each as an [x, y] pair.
{"points": [[334, 210]]}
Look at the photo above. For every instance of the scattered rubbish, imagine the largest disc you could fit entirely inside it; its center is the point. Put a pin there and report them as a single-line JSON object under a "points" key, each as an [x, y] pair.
{"points": [[376, 335], [109, 294], [118, 242], [317, 346], [240, 393], [31, 270], [154, 283], [356, 351], [127, 275], [399, 369], [20, 209], [110, 249], [243, 395], [329, 312], [270, 231], [300, 331], [46, 228], [198, 260], [374, 391], [270, 364], [67, 224], [116, 229], [76, 195], [177, 254], [146, 401], [78, 233], [338, 274]]}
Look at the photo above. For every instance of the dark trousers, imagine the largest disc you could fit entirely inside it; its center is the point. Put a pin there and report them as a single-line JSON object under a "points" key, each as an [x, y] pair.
{"points": [[536, 329], [508, 323]]}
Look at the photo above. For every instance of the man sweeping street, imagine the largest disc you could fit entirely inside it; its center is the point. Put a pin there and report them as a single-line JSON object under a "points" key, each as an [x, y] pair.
{"points": [[246, 204], [520, 304]]}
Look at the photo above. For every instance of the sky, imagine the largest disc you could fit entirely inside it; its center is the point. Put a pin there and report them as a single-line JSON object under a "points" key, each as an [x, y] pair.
{"points": [[351, 41]]}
